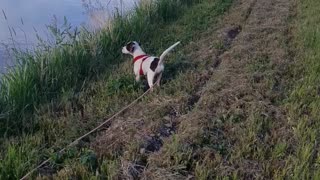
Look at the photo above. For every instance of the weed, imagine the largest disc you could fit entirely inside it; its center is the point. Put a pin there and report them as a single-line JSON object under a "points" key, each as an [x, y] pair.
{"points": [[89, 159], [16, 161], [122, 84], [109, 169]]}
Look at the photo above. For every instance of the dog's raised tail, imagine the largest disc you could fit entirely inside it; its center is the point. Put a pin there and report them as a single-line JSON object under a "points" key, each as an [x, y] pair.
{"points": [[167, 51]]}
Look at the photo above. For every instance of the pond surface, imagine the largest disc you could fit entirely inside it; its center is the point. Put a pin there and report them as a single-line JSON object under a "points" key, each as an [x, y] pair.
{"points": [[26, 18]]}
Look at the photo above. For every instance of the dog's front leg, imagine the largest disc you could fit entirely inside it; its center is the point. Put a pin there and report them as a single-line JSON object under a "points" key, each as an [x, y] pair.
{"points": [[138, 78]]}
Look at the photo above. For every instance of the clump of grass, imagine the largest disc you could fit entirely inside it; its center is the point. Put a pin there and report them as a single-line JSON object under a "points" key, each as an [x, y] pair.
{"points": [[122, 84], [16, 161], [74, 59]]}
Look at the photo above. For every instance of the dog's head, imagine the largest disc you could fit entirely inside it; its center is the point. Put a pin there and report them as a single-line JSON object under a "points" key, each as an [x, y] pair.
{"points": [[131, 47]]}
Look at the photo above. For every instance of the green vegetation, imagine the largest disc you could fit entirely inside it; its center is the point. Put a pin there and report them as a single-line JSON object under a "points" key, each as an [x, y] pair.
{"points": [[77, 58], [227, 108], [304, 102], [60, 93]]}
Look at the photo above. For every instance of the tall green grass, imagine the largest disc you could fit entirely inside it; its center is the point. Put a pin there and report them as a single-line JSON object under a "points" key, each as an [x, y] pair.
{"points": [[42, 76]]}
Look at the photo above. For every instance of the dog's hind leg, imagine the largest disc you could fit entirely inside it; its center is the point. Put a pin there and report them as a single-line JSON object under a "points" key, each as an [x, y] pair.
{"points": [[150, 77], [159, 79]]}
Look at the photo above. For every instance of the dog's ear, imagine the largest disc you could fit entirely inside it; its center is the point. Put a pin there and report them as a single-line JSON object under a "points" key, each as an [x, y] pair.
{"points": [[130, 47], [139, 43]]}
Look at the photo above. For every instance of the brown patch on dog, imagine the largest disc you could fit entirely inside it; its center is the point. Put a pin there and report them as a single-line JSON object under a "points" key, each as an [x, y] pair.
{"points": [[130, 47], [154, 64]]}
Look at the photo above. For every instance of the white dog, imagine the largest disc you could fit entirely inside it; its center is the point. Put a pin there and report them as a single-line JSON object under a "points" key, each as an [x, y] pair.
{"points": [[144, 64]]}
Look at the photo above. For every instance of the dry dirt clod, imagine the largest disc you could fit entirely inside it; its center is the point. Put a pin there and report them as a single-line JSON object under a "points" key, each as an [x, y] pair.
{"points": [[142, 150]]}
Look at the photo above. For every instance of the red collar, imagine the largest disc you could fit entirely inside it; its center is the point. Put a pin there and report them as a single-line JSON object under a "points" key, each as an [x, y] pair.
{"points": [[139, 57]]}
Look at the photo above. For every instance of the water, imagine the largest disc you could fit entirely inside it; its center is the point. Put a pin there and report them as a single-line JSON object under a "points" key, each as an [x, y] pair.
{"points": [[26, 18]]}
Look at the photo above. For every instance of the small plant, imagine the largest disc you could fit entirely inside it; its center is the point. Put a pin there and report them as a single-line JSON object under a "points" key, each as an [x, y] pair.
{"points": [[219, 46], [204, 169], [89, 159], [110, 168], [58, 159], [14, 164], [124, 84]]}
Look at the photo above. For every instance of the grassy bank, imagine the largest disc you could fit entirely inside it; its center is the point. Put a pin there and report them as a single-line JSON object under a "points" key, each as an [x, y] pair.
{"points": [[75, 104], [239, 99], [304, 102], [53, 73]]}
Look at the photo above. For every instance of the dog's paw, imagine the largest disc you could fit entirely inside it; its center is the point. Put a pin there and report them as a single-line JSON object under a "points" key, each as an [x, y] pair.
{"points": [[151, 89]]}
